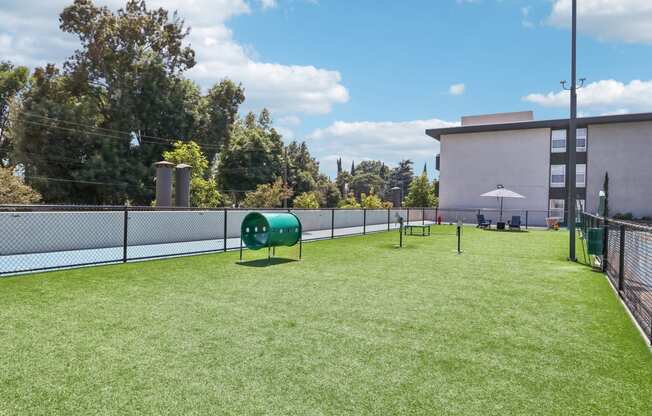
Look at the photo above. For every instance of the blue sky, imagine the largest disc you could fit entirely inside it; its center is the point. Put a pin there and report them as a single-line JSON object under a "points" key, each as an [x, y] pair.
{"points": [[363, 79]]}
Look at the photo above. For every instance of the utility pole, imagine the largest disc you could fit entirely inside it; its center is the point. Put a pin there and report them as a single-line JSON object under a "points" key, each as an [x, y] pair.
{"points": [[571, 143], [572, 138]]}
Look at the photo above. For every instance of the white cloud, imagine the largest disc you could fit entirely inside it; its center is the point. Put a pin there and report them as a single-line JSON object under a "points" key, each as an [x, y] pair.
{"points": [[29, 35], [291, 120], [388, 141], [620, 20], [607, 96], [525, 21], [456, 89], [285, 126], [268, 4]]}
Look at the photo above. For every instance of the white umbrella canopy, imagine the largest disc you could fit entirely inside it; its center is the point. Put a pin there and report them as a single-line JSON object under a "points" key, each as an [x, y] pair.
{"points": [[501, 192]]}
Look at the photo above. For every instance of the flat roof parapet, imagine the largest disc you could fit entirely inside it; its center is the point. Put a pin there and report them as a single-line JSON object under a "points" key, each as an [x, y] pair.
{"points": [[497, 118], [539, 124]]}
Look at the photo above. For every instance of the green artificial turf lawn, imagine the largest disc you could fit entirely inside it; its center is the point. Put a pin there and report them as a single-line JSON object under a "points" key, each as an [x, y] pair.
{"points": [[358, 327]]}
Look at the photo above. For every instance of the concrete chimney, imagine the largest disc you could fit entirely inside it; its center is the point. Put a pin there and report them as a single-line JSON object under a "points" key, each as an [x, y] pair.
{"points": [[182, 185], [164, 184]]}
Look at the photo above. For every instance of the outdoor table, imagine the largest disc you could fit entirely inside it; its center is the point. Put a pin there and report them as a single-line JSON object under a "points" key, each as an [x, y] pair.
{"points": [[423, 228], [500, 225]]}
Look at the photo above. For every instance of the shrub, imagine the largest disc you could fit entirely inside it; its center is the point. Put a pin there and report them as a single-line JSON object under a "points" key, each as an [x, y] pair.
{"points": [[628, 216], [370, 201], [267, 195], [349, 202], [306, 200], [421, 194], [14, 191]]}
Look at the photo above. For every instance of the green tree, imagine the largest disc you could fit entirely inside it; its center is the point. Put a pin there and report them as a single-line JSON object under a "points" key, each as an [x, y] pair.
{"points": [[203, 189], [329, 193], [253, 157], [67, 164], [306, 200], [401, 176], [189, 153], [366, 182], [14, 191], [302, 168], [126, 75], [13, 80], [343, 181], [218, 114], [269, 195], [204, 194], [422, 193]]}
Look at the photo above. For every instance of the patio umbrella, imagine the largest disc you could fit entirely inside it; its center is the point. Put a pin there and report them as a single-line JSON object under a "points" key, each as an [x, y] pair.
{"points": [[502, 193]]}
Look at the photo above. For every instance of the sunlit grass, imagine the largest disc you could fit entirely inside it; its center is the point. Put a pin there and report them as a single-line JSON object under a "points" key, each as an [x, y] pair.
{"points": [[357, 327]]}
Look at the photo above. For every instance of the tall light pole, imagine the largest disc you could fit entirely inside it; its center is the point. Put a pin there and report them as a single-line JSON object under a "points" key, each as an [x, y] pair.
{"points": [[571, 143], [572, 138]]}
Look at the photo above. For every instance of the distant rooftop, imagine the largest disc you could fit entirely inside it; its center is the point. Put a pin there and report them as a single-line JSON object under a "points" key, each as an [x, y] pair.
{"points": [[512, 121], [497, 118]]}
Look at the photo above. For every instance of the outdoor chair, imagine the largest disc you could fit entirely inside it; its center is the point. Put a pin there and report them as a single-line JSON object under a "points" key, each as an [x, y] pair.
{"points": [[482, 222], [515, 223]]}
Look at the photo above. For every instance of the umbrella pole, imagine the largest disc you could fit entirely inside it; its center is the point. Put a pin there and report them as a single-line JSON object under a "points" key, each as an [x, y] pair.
{"points": [[501, 209]]}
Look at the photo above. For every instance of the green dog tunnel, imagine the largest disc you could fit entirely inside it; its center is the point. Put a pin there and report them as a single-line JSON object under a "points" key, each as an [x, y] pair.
{"points": [[270, 230]]}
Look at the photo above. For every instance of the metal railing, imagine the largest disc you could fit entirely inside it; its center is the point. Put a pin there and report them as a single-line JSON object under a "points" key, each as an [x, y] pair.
{"points": [[627, 261]]}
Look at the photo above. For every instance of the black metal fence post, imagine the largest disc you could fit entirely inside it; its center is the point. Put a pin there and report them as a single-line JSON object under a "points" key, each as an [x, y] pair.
{"points": [[125, 235], [527, 215], [333, 223], [437, 214], [364, 221], [226, 236], [423, 216], [605, 244], [621, 263], [408, 216], [388, 218]]}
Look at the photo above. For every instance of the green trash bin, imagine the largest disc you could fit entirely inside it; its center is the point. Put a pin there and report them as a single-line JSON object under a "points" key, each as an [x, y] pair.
{"points": [[595, 241], [270, 230]]}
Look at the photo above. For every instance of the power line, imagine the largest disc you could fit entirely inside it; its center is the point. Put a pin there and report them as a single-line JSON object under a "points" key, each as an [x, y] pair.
{"points": [[77, 162], [130, 134], [119, 184], [81, 181], [154, 139]]}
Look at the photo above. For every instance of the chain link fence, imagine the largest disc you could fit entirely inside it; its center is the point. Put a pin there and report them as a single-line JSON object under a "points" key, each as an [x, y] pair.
{"points": [[43, 237], [627, 261]]}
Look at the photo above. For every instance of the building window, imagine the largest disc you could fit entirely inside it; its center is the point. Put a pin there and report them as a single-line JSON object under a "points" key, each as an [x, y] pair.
{"points": [[557, 176], [557, 207], [580, 140], [580, 176], [558, 141]]}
